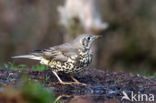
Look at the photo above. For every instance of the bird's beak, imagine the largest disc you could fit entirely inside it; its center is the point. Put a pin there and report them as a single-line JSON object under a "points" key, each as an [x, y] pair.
{"points": [[97, 36]]}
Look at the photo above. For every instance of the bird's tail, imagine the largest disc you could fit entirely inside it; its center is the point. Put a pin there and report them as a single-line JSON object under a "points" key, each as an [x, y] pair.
{"points": [[29, 56]]}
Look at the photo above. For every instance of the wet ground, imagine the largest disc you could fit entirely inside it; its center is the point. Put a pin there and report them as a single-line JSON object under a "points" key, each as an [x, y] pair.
{"points": [[102, 86]]}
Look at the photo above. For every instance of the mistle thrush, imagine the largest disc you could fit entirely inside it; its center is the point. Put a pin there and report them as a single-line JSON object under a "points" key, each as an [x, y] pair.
{"points": [[69, 58]]}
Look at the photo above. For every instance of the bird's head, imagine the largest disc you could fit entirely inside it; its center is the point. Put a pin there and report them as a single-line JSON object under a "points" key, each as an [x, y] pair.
{"points": [[86, 40]]}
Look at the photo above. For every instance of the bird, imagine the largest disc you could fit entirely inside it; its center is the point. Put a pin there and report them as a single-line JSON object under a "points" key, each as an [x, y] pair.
{"points": [[69, 58]]}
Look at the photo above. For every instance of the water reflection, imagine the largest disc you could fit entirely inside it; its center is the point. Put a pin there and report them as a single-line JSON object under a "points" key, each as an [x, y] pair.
{"points": [[85, 99], [93, 94]]}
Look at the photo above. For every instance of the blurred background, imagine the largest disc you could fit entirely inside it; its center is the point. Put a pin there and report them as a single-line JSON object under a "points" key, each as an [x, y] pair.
{"points": [[128, 28]]}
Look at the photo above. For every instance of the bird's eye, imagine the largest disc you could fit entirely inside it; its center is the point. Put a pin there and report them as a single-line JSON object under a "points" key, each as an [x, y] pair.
{"points": [[88, 38]]}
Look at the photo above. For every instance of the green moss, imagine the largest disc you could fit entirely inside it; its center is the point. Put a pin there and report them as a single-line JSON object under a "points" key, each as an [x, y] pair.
{"points": [[40, 67], [36, 93], [12, 65], [146, 75]]}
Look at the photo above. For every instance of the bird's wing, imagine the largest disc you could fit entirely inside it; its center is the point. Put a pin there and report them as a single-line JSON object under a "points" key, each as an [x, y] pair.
{"points": [[50, 54], [68, 50], [60, 53]]}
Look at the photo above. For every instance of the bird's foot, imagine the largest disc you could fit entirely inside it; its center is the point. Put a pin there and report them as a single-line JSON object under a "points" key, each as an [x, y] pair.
{"points": [[73, 83], [79, 83]]}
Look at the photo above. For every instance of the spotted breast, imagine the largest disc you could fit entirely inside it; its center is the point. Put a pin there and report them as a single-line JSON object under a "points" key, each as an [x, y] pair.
{"points": [[75, 64]]}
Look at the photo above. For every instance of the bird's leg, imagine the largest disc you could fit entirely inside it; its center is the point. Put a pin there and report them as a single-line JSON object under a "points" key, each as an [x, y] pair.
{"points": [[61, 82], [61, 96], [57, 77], [76, 81]]}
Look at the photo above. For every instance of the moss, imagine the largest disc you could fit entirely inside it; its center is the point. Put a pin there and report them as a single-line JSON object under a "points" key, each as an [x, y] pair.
{"points": [[36, 93], [12, 65]]}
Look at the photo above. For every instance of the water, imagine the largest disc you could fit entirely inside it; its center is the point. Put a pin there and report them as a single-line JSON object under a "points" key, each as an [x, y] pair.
{"points": [[92, 94]]}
